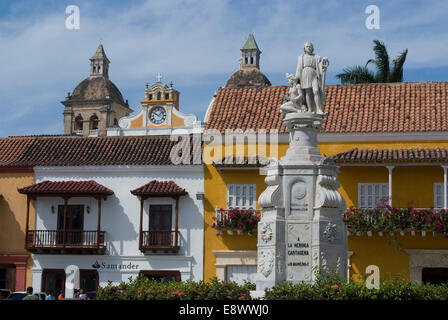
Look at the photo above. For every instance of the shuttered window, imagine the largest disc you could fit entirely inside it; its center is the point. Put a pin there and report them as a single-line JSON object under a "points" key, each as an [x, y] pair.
{"points": [[438, 195], [369, 194], [241, 196]]}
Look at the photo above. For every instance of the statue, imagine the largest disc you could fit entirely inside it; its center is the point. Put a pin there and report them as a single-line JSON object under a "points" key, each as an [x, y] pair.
{"points": [[310, 76], [295, 98]]}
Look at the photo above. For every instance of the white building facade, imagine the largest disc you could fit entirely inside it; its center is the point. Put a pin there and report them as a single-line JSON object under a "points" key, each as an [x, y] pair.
{"points": [[122, 222]]}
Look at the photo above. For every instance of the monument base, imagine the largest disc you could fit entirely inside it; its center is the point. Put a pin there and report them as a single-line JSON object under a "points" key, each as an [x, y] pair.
{"points": [[301, 230]]}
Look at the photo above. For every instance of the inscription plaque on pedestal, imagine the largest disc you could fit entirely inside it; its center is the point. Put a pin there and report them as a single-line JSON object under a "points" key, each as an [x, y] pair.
{"points": [[298, 252]]}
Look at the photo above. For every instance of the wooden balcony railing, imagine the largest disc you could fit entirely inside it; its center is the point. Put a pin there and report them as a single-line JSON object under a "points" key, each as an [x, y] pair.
{"points": [[55, 241], [159, 240]]}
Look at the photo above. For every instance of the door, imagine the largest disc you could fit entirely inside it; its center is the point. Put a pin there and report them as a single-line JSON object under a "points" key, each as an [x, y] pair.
{"points": [[88, 281], [160, 225], [161, 276], [74, 225], [53, 279]]}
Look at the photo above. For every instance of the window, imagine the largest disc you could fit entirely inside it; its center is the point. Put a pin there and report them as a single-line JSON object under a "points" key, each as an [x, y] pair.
{"points": [[240, 274], [93, 122], [435, 275], [74, 224], [369, 194], [159, 95], [78, 123], [241, 196], [438, 195], [88, 280], [167, 96], [53, 279], [160, 224]]}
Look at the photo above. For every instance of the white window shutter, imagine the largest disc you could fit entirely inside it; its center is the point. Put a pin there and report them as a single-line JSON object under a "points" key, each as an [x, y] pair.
{"points": [[370, 194], [241, 196]]}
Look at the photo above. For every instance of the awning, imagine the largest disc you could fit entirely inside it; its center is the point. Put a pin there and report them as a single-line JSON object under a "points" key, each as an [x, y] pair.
{"points": [[88, 188], [157, 188], [411, 155]]}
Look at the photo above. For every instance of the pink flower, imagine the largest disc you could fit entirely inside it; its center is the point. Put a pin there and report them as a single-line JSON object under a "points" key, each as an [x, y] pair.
{"points": [[335, 287]]}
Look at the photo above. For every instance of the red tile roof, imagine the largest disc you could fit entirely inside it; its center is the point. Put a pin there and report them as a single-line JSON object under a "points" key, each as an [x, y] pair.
{"points": [[72, 188], [356, 155], [88, 151], [362, 108], [157, 188], [11, 149]]}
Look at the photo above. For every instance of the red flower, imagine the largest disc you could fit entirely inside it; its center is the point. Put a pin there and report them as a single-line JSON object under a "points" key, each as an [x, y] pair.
{"points": [[335, 287]]}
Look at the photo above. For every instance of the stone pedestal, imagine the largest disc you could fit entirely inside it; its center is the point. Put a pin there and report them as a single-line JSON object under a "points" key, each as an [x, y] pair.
{"points": [[301, 228]]}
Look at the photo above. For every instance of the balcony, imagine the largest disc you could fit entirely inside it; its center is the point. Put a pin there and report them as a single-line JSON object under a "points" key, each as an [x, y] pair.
{"points": [[68, 242], [239, 220], [159, 241], [386, 220]]}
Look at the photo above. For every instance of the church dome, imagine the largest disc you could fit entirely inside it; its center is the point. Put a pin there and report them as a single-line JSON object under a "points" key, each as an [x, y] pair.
{"points": [[247, 77], [249, 74], [97, 88]]}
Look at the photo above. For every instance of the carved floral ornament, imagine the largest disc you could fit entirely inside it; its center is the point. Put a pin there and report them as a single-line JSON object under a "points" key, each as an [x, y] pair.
{"points": [[266, 233], [266, 262], [330, 231]]}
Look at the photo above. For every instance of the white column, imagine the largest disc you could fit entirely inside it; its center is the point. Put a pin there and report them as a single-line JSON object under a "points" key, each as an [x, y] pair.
{"points": [[445, 182], [390, 168]]}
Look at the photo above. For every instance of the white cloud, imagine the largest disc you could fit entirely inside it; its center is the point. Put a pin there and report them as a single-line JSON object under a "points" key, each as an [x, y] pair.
{"points": [[190, 40]]}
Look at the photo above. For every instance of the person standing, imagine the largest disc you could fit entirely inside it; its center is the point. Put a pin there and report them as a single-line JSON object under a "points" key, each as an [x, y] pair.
{"points": [[51, 296], [82, 295], [29, 294], [61, 296]]}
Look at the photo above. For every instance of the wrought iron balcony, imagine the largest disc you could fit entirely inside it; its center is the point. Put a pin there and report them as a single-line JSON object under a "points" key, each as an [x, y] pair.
{"points": [[67, 242]]}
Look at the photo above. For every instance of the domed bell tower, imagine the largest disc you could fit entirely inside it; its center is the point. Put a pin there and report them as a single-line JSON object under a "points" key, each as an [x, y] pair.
{"points": [[96, 103]]}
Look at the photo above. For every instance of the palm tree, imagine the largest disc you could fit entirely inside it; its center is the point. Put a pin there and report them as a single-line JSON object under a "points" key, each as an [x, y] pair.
{"points": [[360, 74]]}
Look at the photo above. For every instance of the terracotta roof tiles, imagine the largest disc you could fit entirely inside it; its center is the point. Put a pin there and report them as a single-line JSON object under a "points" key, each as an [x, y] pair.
{"points": [[356, 155], [89, 151], [362, 108], [159, 188], [49, 188]]}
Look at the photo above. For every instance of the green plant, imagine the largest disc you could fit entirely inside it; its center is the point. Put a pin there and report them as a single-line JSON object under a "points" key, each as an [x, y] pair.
{"points": [[142, 288], [242, 219]]}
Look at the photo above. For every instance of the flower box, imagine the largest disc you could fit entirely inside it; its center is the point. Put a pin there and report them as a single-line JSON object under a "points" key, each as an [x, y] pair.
{"points": [[241, 220]]}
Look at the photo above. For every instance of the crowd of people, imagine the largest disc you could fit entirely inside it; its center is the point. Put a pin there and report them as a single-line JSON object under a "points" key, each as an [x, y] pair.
{"points": [[79, 294]]}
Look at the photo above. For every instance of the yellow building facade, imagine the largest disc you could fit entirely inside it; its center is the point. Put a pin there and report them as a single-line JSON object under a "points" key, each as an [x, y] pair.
{"points": [[15, 261], [414, 170]]}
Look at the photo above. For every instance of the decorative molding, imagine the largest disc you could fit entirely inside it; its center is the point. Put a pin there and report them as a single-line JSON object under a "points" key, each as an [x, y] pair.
{"points": [[226, 258], [266, 233], [266, 262], [421, 258]]}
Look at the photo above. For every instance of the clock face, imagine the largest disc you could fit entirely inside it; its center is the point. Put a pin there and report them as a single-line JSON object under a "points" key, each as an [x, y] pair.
{"points": [[158, 115]]}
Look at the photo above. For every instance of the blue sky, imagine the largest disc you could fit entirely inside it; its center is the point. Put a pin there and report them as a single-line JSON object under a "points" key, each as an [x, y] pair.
{"points": [[196, 45]]}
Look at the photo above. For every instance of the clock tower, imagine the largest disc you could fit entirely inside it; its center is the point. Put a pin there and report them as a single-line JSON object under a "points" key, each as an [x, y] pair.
{"points": [[159, 113]]}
